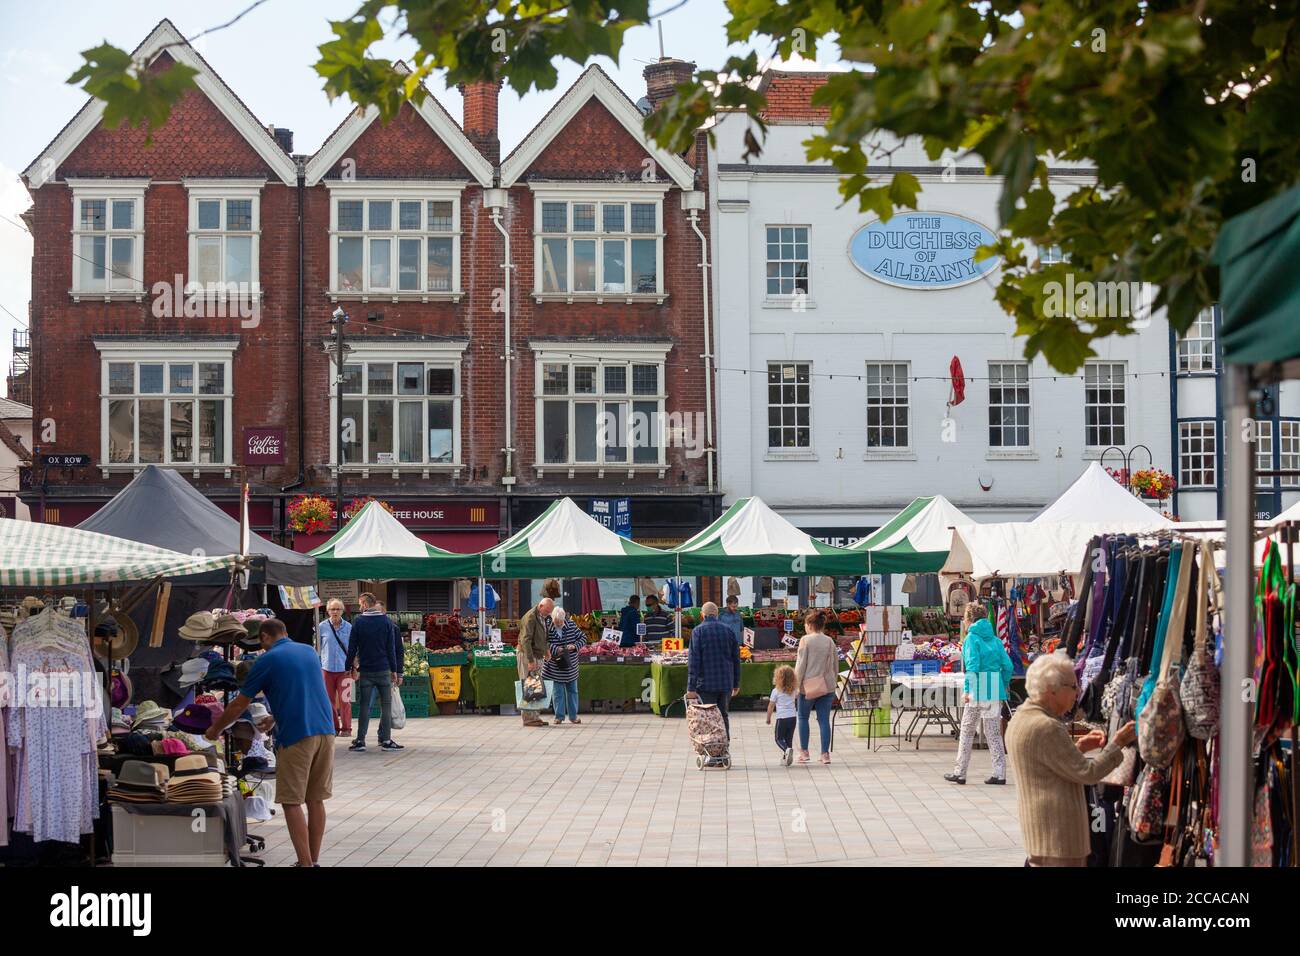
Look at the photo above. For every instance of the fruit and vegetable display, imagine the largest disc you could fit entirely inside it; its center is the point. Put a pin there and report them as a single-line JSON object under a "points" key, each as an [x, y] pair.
{"points": [[926, 620], [442, 631], [483, 657], [414, 660], [775, 654], [592, 653]]}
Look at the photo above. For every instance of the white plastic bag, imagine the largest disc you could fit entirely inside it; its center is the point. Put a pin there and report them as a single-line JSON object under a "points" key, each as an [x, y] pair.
{"points": [[398, 719]]}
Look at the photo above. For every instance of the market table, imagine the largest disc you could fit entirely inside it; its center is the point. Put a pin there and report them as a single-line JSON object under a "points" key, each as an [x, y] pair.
{"points": [[496, 685], [669, 682], [934, 699]]}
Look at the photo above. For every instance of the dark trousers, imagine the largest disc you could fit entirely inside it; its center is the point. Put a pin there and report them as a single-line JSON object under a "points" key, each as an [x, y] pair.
{"points": [[721, 698], [381, 683], [785, 732]]}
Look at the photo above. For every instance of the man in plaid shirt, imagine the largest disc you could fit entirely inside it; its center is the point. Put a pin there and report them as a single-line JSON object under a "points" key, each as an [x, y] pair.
{"points": [[713, 672]]}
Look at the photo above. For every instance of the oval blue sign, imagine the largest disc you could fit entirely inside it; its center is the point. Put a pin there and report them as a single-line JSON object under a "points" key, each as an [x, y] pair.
{"points": [[922, 250]]}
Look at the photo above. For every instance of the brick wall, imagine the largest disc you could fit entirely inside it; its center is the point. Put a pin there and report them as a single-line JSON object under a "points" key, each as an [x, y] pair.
{"points": [[198, 141]]}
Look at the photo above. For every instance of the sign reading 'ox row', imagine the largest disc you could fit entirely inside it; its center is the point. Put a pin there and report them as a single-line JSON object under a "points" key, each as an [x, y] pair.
{"points": [[931, 250]]}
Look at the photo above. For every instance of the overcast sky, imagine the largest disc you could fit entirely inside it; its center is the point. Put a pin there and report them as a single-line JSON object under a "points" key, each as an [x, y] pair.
{"points": [[266, 58]]}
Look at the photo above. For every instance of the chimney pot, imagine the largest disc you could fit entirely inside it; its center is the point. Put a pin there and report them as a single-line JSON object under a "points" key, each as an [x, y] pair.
{"points": [[663, 76], [480, 119]]}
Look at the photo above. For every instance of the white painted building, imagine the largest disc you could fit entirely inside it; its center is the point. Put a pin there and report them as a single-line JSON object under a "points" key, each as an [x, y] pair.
{"points": [[832, 406]]}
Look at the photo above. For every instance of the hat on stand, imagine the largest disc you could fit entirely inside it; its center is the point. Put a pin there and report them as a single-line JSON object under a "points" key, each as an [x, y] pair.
{"points": [[227, 629], [149, 716], [198, 626], [193, 670]]}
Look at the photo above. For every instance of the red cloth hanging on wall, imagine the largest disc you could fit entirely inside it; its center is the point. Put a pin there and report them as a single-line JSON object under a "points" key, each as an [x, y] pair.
{"points": [[958, 382]]}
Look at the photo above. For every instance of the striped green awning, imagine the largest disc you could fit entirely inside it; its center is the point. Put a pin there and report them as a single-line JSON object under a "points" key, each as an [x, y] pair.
{"points": [[750, 538], [47, 555], [375, 546], [914, 541]]}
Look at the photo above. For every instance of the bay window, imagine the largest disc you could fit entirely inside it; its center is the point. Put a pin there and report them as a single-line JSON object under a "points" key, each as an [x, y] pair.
{"points": [[599, 244], [394, 240], [225, 224], [600, 411], [107, 237], [401, 407], [165, 405]]}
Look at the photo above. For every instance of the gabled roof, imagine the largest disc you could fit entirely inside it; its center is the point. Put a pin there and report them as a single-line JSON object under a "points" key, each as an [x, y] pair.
{"points": [[166, 38], [1097, 497], [594, 82], [13, 443], [439, 120]]}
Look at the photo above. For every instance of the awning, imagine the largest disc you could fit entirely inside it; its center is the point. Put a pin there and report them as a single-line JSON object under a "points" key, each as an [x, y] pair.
{"points": [[566, 542], [916, 540], [374, 546], [750, 538], [1097, 498], [1258, 253], [47, 555]]}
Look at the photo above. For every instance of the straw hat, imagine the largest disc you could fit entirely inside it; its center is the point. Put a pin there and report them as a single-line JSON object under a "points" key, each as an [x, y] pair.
{"points": [[198, 626], [122, 644]]}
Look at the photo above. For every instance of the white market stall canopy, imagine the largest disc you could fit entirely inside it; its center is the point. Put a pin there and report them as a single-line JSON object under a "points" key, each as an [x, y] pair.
{"points": [[1097, 498], [916, 540], [375, 546], [750, 538], [565, 541], [49, 555]]}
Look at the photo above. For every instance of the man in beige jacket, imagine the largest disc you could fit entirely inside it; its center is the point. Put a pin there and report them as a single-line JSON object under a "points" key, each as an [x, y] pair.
{"points": [[1051, 769], [533, 649]]}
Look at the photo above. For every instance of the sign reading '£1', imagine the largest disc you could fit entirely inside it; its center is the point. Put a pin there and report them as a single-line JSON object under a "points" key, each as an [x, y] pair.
{"points": [[933, 250]]}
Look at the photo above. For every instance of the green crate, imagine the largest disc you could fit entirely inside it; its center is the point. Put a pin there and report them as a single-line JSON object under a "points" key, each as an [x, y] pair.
{"points": [[447, 659], [415, 698], [489, 661]]}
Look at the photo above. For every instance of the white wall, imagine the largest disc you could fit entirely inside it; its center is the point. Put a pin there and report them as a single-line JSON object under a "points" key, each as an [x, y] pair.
{"points": [[852, 319]]}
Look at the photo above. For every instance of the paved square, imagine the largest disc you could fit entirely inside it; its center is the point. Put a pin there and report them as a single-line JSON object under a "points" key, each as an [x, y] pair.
{"points": [[624, 790]]}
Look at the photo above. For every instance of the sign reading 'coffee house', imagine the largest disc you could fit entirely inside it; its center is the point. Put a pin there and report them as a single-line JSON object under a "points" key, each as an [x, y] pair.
{"points": [[263, 445]]}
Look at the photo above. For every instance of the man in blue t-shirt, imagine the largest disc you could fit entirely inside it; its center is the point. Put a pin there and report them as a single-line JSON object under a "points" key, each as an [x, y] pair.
{"points": [[289, 675]]}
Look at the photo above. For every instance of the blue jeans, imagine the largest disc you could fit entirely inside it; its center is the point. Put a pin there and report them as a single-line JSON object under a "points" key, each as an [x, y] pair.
{"points": [[564, 699], [823, 707]]}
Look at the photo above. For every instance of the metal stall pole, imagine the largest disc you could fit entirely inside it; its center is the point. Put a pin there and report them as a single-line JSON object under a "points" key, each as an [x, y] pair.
{"points": [[482, 613], [678, 610], [1239, 691]]}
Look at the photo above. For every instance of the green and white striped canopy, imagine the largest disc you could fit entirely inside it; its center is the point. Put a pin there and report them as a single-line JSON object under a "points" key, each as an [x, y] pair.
{"points": [[375, 546], [50, 555], [750, 538], [566, 542], [914, 541]]}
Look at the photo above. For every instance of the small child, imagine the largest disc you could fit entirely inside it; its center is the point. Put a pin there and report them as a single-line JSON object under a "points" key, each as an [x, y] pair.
{"points": [[782, 700]]}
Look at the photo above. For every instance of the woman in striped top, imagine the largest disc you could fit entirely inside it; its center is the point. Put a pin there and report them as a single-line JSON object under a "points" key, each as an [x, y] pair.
{"points": [[565, 638]]}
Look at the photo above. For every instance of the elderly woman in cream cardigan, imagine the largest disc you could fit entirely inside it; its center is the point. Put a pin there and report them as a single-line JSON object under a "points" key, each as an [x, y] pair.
{"points": [[1050, 767]]}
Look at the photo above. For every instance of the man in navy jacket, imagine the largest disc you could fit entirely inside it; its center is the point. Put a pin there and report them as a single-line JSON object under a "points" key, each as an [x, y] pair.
{"points": [[628, 620], [713, 666], [373, 657]]}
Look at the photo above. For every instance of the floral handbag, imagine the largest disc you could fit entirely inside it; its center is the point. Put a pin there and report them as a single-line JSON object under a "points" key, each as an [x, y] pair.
{"points": [[1200, 687], [1146, 805]]}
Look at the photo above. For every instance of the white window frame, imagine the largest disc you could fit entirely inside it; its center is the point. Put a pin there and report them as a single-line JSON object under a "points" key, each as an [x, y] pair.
{"points": [[423, 191], [137, 353], [108, 190], [1028, 406], [787, 450], [1289, 451], [1191, 347], [906, 383], [768, 262], [1123, 383], [444, 354], [1195, 430], [221, 191], [600, 355], [1264, 439], [599, 194]]}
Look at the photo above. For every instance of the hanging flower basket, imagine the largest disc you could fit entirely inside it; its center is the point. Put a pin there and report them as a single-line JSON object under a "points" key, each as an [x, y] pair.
{"points": [[310, 514], [1152, 483]]}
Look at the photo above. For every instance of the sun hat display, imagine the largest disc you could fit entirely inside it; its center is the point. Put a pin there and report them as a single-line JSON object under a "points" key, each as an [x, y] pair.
{"points": [[149, 714], [196, 718], [193, 670], [120, 689], [221, 676], [122, 639], [174, 747], [119, 722], [198, 626], [226, 629]]}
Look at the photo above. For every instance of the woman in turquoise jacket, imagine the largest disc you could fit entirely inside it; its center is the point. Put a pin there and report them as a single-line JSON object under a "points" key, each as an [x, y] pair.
{"points": [[988, 670]]}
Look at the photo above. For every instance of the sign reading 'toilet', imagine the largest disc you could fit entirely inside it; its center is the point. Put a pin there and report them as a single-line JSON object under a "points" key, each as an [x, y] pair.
{"points": [[924, 250]]}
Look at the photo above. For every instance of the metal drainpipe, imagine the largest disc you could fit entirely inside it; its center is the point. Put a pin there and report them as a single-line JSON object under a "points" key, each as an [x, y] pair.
{"points": [[708, 351], [302, 344], [506, 266]]}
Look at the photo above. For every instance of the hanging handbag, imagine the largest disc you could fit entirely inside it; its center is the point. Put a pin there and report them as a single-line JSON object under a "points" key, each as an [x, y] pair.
{"points": [[1171, 852], [1146, 805], [1160, 726], [1261, 829], [1200, 687], [1124, 774]]}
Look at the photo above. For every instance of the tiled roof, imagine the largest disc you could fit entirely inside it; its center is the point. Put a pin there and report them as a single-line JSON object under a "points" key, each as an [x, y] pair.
{"points": [[11, 409]]}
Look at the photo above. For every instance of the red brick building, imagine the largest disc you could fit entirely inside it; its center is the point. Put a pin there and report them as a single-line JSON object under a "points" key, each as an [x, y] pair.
{"points": [[518, 328]]}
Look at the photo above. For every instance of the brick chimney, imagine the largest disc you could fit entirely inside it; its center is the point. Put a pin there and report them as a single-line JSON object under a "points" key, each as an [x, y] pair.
{"points": [[283, 138], [480, 121], [661, 77]]}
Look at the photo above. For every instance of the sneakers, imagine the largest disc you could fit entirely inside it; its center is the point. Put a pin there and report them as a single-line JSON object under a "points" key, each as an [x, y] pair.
{"points": [[787, 758], [390, 744], [954, 778], [358, 747]]}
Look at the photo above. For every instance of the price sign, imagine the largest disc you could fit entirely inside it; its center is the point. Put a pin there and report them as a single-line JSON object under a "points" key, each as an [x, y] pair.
{"points": [[65, 461], [494, 639], [748, 639], [789, 626], [792, 603], [640, 631], [672, 644], [417, 637], [612, 634]]}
